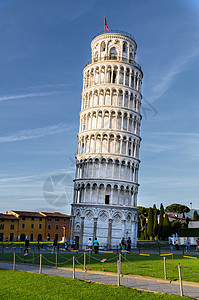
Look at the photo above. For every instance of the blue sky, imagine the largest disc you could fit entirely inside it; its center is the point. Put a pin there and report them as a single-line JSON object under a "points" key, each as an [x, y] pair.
{"points": [[44, 47]]}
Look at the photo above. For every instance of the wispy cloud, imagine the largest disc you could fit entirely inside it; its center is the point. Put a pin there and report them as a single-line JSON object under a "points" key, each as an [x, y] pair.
{"points": [[30, 95], [169, 74], [50, 85], [36, 133]]}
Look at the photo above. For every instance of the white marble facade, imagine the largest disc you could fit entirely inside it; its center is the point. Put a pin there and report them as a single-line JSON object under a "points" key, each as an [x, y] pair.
{"points": [[107, 163]]}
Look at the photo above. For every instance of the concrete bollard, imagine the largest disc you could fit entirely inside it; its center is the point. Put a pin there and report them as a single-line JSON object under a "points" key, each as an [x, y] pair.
{"points": [[14, 261], [40, 264], [180, 280], [165, 270], [84, 260], [73, 267], [118, 272], [56, 259]]}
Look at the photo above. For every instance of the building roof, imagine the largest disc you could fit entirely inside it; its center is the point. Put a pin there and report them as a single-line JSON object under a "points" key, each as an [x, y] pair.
{"points": [[22, 213], [7, 217], [54, 214]]}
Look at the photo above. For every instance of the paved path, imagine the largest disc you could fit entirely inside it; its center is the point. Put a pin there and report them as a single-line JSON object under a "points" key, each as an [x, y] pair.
{"points": [[133, 281]]}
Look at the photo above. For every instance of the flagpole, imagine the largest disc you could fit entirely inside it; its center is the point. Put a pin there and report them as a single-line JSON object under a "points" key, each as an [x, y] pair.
{"points": [[104, 23]]}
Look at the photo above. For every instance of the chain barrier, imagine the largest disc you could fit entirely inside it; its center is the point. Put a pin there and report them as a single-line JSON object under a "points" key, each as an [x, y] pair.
{"points": [[142, 270], [115, 257], [63, 262], [107, 267], [26, 258], [48, 260], [78, 262], [65, 258], [95, 258], [141, 265], [191, 267], [190, 271]]}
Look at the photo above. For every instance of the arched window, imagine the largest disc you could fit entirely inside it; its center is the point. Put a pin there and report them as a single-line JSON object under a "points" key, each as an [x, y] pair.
{"points": [[96, 56], [103, 46], [125, 47], [113, 53]]}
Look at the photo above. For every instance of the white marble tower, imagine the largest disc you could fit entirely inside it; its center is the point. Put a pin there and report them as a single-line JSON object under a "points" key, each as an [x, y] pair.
{"points": [[107, 163]]}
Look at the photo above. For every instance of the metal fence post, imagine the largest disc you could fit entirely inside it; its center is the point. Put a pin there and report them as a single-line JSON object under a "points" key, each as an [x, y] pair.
{"points": [[180, 280], [14, 267], [33, 256], [165, 270], [73, 267], [84, 260], [56, 259], [118, 272], [40, 264]]}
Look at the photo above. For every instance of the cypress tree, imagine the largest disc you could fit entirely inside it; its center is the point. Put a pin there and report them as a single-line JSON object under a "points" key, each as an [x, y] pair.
{"points": [[150, 223], [155, 225], [165, 229], [161, 219]]}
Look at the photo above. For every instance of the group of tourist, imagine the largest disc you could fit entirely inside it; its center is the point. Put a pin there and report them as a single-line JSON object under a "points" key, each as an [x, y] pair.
{"points": [[126, 244], [95, 244]]}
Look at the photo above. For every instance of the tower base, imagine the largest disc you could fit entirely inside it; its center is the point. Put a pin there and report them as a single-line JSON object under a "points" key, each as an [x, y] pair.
{"points": [[109, 224]]}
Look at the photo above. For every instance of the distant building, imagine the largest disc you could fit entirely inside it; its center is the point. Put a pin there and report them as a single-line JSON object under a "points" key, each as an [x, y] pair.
{"points": [[176, 218], [37, 226], [56, 225], [8, 227], [193, 224], [31, 225]]}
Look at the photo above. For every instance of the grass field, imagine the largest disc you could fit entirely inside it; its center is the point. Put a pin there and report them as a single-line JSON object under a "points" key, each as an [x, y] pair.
{"points": [[22, 285], [135, 264]]}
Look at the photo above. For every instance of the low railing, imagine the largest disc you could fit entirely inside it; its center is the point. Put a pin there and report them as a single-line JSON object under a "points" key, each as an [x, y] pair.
{"points": [[115, 31], [115, 58]]}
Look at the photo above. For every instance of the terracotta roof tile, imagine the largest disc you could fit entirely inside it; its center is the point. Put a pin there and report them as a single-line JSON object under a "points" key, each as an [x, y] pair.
{"points": [[8, 217], [55, 214], [22, 213]]}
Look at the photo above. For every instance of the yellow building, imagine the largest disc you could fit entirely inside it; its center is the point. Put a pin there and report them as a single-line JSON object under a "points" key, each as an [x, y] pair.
{"points": [[31, 225], [8, 227]]}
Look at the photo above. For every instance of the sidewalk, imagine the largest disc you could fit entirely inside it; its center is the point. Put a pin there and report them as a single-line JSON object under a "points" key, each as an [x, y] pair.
{"points": [[133, 281]]}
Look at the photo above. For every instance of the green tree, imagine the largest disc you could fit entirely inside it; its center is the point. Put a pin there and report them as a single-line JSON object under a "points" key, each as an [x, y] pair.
{"points": [[161, 219], [195, 216], [175, 226], [155, 224], [166, 227], [150, 223], [177, 209]]}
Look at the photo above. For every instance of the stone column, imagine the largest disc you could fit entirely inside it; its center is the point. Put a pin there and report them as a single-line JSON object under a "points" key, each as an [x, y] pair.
{"points": [[72, 225], [95, 228], [130, 74], [111, 198], [123, 228], [81, 233], [109, 233]]}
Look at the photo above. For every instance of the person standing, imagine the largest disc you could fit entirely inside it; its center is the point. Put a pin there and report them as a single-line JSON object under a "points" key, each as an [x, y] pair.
{"points": [[187, 246], [96, 245], [55, 245], [26, 245], [197, 248], [123, 244], [129, 245], [90, 244]]}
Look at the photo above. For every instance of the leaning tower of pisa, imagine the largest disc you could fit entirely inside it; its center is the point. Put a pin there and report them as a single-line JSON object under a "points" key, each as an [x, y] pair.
{"points": [[107, 163]]}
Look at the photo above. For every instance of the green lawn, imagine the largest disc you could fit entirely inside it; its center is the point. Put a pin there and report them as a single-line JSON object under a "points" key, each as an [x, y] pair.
{"points": [[21, 285], [135, 264]]}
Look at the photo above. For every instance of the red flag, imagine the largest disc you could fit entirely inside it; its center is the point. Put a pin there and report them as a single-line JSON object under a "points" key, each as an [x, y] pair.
{"points": [[105, 24]]}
